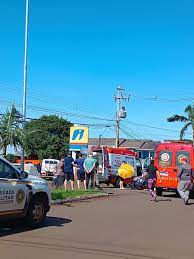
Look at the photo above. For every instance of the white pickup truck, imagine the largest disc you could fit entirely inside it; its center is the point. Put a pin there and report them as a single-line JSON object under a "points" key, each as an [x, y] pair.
{"points": [[22, 196]]}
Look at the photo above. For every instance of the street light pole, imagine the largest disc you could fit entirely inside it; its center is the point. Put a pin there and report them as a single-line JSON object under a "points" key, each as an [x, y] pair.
{"points": [[25, 79]]}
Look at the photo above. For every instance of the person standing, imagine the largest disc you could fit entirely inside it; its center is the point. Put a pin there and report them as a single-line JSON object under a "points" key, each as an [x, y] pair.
{"points": [[80, 171], [90, 167], [68, 171], [151, 176], [121, 182], [59, 175], [38, 166], [185, 178], [125, 171]]}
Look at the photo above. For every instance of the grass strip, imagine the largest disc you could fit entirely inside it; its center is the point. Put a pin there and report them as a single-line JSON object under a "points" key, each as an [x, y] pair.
{"points": [[61, 194]]}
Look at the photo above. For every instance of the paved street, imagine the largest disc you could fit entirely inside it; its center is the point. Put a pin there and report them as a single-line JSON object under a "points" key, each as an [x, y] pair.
{"points": [[125, 225]]}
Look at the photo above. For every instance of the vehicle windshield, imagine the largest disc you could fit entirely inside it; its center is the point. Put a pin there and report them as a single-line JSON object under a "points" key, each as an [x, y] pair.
{"points": [[17, 166], [146, 162], [53, 162], [165, 158], [180, 155]]}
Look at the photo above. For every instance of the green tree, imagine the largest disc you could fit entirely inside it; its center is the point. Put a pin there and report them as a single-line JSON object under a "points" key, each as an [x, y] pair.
{"points": [[10, 130], [48, 137], [188, 119]]}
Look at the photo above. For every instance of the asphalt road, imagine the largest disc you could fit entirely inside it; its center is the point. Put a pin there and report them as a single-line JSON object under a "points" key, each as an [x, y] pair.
{"points": [[125, 225]]}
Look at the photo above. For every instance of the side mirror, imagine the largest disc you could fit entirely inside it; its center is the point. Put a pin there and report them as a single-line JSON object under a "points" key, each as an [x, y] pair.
{"points": [[23, 175]]}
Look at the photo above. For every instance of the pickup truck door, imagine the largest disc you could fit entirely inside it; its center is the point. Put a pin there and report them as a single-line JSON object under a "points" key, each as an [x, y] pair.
{"points": [[13, 192]]}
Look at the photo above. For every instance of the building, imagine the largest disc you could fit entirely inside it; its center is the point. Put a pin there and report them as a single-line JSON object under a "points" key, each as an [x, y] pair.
{"points": [[144, 148]]}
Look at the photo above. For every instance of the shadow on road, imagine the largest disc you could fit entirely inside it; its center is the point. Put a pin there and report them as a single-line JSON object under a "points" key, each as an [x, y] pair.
{"points": [[56, 222], [11, 228], [159, 200], [175, 195]]}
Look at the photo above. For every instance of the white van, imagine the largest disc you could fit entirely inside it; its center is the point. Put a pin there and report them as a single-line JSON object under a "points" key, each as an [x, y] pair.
{"points": [[48, 168], [22, 196]]}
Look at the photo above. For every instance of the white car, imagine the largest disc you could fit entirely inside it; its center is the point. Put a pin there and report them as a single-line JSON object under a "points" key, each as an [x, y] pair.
{"points": [[23, 196]]}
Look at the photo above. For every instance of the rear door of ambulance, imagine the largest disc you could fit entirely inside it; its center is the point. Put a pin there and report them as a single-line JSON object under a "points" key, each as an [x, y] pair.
{"points": [[165, 162]]}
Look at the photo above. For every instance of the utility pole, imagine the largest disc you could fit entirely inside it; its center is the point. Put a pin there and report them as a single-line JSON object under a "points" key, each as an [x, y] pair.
{"points": [[25, 79], [100, 139], [121, 112]]}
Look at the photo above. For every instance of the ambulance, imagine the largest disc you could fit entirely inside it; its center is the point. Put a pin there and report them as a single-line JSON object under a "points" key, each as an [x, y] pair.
{"points": [[168, 159], [22, 196], [109, 161]]}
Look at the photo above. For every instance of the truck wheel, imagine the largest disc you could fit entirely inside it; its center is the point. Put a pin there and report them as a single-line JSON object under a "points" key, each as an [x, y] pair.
{"points": [[159, 191], [36, 212]]}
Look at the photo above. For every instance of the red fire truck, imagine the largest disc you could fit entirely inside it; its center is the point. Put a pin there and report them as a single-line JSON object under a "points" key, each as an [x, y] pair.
{"points": [[110, 160]]}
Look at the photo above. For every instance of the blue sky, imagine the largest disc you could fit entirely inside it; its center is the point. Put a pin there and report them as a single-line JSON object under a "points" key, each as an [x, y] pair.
{"points": [[79, 51]]}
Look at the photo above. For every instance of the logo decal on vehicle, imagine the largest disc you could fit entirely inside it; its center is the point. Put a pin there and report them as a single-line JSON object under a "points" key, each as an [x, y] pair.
{"points": [[165, 157], [181, 157], [20, 196]]}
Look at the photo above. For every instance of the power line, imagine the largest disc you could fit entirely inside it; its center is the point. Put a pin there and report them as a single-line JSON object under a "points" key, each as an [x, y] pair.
{"points": [[159, 99], [38, 95], [126, 126], [128, 134], [155, 98], [154, 127], [78, 115], [148, 134], [49, 110], [78, 123]]}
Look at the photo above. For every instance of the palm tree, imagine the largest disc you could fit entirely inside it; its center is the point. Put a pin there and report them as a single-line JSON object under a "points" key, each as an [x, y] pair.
{"points": [[10, 130], [188, 119]]}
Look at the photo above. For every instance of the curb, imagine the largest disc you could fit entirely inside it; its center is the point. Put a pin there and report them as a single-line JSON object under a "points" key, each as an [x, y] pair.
{"points": [[82, 198]]}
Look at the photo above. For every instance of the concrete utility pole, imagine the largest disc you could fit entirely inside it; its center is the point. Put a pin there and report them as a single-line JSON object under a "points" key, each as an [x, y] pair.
{"points": [[25, 78], [121, 112], [100, 139]]}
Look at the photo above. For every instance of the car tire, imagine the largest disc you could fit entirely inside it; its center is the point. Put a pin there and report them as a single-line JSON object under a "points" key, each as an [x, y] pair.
{"points": [[36, 212], [159, 191]]}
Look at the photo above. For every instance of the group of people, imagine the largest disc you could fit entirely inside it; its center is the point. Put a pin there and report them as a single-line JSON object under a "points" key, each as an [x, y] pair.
{"points": [[86, 171], [81, 169], [185, 178]]}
